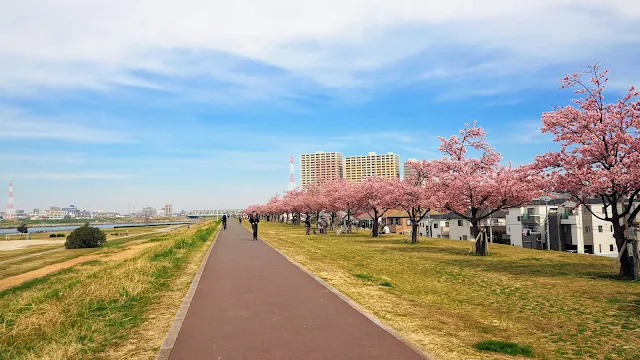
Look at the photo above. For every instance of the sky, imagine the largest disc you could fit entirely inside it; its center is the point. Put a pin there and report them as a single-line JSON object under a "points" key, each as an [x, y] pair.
{"points": [[200, 103]]}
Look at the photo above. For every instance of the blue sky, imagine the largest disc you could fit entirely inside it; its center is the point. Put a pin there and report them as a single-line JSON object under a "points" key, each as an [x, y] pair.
{"points": [[200, 103]]}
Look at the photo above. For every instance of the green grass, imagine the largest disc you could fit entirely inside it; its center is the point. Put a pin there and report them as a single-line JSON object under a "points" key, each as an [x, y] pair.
{"points": [[91, 310], [504, 347], [446, 301]]}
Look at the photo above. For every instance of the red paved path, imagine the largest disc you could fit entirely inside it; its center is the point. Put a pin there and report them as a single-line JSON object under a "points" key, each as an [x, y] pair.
{"points": [[251, 303]]}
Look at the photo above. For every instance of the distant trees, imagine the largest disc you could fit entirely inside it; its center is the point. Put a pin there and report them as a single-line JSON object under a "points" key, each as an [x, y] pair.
{"points": [[85, 237]]}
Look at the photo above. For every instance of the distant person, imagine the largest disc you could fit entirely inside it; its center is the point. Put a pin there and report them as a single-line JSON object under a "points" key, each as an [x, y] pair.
{"points": [[240, 219], [307, 224], [254, 219], [224, 221], [385, 229]]}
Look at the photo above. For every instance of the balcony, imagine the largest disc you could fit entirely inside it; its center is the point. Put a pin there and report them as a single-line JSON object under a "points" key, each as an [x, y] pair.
{"points": [[531, 219]]}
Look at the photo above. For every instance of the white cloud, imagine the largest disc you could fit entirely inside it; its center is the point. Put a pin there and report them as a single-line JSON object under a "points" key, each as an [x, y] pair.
{"points": [[94, 44], [16, 124], [71, 176]]}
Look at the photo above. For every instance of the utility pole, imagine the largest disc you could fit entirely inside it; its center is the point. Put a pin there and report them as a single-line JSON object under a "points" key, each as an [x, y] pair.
{"points": [[490, 229]]}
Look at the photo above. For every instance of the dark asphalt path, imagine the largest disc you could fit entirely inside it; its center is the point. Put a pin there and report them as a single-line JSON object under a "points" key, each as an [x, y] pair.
{"points": [[252, 303]]}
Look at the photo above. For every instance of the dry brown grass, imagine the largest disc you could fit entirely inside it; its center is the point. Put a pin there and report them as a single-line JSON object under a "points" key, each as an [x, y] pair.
{"points": [[11, 254], [96, 308], [145, 341], [443, 300]]}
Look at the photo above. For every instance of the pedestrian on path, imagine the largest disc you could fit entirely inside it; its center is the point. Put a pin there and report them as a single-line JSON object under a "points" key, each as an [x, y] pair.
{"points": [[254, 220], [307, 223]]}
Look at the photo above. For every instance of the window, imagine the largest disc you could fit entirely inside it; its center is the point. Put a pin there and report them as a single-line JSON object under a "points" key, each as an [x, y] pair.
{"points": [[611, 229], [600, 248], [446, 224], [408, 222], [435, 226], [459, 222], [610, 247], [600, 230], [518, 218], [464, 237], [587, 229], [604, 210]]}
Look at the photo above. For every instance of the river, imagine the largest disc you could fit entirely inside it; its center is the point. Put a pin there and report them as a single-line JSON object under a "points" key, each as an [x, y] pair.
{"points": [[49, 229]]}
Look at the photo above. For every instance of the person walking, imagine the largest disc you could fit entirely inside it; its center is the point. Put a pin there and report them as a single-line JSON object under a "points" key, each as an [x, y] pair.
{"points": [[224, 221], [307, 224], [254, 219]]}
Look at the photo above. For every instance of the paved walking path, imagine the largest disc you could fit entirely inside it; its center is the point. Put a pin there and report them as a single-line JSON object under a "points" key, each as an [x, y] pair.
{"points": [[252, 303]]}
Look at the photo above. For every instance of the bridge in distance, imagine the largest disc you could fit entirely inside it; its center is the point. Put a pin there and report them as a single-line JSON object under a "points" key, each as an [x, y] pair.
{"points": [[212, 213]]}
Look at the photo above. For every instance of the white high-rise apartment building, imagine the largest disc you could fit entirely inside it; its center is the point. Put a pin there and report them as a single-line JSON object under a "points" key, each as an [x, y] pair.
{"points": [[357, 168], [320, 166]]}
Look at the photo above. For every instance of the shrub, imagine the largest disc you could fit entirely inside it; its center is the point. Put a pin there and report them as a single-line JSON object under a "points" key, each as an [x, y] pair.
{"points": [[23, 229], [60, 235], [52, 235], [85, 237]]}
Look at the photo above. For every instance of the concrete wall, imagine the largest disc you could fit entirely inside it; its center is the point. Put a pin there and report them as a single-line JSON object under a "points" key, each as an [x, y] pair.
{"points": [[459, 232]]}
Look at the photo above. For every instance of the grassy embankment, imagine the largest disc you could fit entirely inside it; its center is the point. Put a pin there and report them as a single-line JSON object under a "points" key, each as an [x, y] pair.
{"points": [[119, 305], [555, 305], [114, 243]]}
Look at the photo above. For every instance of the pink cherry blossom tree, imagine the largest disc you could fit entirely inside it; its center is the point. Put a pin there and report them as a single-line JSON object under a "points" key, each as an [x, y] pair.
{"points": [[377, 198], [600, 154], [415, 194], [343, 195], [476, 187]]}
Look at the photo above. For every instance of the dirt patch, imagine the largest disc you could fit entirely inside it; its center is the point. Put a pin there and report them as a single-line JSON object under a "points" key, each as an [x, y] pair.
{"points": [[121, 255], [20, 244]]}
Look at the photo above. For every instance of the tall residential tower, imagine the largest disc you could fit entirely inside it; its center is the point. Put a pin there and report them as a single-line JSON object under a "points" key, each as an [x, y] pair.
{"points": [[320, 166], [358, 168]]}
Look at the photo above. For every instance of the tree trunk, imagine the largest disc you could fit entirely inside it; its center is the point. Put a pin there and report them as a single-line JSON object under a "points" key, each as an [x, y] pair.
{"points": [[626, 262], [348, 221], [375, 228], [414, 231], [481, 244]]}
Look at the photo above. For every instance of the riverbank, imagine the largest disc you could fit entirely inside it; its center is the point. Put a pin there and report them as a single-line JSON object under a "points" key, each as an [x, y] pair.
{"points": [[63, 228], [6, 224]]}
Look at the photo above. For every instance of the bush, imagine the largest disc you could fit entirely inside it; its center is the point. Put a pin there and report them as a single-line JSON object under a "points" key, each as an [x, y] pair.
{"points": [[52, 235], [23, 229], [60, 235], [85, 237]]}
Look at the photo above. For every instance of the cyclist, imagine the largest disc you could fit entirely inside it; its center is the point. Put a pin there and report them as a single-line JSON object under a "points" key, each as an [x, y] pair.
{"points": [[224, 221]]}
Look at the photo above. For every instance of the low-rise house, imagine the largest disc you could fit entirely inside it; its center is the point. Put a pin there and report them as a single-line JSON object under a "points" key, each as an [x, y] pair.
{"points": [[397, 220], [562, 225], [452, 226]]}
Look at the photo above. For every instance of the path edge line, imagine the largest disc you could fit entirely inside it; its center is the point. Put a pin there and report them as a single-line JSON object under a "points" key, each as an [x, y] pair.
{"points": [[172, 335], [353, 304]]}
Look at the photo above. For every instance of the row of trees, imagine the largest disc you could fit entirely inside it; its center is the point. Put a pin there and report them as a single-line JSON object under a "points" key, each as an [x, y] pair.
{"points": [[471, 187], [599, 158]]}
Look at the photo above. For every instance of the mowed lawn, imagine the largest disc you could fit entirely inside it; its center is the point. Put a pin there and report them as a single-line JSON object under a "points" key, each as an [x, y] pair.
{"points": [[563, 305]]}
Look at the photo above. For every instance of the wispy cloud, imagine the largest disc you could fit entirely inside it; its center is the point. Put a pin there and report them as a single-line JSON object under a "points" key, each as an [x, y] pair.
{"points": [[326, 45], [18, 124], [520, 132], [71, 176]]}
